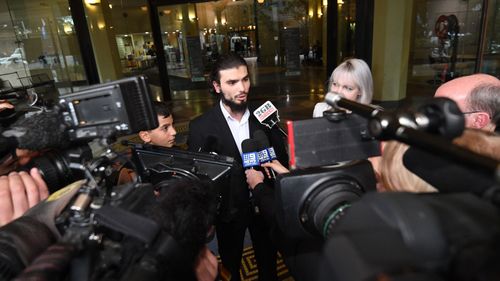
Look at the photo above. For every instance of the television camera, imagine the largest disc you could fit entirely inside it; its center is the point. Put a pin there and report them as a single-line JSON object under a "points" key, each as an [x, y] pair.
{"points": [[96, 229], [452, 235]]}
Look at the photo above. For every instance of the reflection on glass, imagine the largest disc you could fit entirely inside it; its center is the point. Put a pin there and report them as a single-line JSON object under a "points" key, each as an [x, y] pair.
{"points": [[38, 38], [491, 56], [445, 42]]}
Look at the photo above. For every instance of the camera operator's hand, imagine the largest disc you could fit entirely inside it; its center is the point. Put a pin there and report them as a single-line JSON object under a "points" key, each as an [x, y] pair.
{"points": [[24, 156], [254, 177], [276, 166], [206, 265], [4, 104], [20, 191]]}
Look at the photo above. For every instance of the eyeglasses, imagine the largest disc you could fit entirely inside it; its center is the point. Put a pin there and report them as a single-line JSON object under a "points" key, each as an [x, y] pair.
{"points": [[476, 111], [470, 112]]}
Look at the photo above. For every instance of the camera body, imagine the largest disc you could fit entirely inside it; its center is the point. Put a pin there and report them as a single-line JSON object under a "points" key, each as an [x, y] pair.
{"points": [[115, 226], [121, 107]]}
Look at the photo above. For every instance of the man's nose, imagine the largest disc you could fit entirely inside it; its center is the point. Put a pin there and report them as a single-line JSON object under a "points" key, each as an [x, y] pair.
{"points": [[241, 86]]}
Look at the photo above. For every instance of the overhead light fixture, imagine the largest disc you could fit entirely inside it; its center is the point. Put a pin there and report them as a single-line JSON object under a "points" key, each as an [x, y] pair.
{"points": [[260, 1], [93, 2]]}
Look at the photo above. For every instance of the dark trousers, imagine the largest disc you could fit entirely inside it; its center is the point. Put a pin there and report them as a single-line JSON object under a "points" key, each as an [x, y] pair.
{"points": [[230, 238]]}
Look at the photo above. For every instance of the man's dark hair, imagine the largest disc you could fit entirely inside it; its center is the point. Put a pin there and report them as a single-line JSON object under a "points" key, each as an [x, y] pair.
{"points": [[162, 109], [224, 62], [186, 210]]}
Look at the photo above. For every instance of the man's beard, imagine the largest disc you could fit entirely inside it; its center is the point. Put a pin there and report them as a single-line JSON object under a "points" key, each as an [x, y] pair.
{"points": [[232, 105]]}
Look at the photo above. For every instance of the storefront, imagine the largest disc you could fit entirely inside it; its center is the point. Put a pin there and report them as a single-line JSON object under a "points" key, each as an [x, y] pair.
{"points": [[174, 43]]}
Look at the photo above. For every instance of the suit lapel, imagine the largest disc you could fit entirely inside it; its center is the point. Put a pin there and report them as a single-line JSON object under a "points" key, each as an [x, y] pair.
{"points": [[229, 146]]}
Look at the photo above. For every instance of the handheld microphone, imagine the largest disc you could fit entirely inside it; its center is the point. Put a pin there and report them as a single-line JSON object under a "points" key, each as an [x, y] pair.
{"points": [[267, 115], [249, 156], [41, 131], [265, 151]]}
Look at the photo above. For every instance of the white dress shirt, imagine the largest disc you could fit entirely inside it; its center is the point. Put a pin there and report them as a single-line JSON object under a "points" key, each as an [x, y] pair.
{"points": [[239, 129], [319, 108]]}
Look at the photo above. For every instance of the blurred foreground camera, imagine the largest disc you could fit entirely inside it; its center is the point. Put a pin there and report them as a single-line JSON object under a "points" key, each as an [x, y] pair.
{"points": [[415, 236], [312, 200], [151, 227]]}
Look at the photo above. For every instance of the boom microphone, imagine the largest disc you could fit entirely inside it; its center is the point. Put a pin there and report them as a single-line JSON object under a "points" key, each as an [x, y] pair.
{"points": [[40, 131], [267, 114], [249, 156]]}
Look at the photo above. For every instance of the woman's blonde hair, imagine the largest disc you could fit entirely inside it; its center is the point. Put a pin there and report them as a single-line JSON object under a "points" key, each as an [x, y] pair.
{"points": [[360, 73], [393, 174]]}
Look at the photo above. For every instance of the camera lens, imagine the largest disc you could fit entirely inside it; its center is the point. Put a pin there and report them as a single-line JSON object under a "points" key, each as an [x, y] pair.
{"points": [[55, 166], [326, 204]]}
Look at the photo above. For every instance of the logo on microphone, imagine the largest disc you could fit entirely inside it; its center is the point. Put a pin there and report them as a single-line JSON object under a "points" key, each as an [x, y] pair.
{"points": [[250, 159], [264, 156], [264, 111]]}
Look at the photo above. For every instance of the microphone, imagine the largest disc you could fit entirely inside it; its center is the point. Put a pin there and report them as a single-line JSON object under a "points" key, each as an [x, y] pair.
{"points": [[267, 115], [38, 132], [265, 151], [249, 156]]}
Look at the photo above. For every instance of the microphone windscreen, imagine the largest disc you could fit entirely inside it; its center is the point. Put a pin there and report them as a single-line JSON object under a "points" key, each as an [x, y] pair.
{"points": [[38, 132], [261, 138], [249, 156], [445, 175], [266, 151], [249, 145]]}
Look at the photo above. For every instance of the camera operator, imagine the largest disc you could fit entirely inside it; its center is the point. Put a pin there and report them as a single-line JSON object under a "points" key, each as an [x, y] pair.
{"points": [[477, 96], [19, 191], [186, 210]]}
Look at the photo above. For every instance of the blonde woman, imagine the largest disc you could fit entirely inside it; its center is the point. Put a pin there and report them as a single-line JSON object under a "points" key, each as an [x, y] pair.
{"points": [[353, 80]]}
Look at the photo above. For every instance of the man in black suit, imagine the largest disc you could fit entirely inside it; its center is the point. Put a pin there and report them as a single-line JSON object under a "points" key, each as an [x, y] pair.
{"points": [[221, 130]]}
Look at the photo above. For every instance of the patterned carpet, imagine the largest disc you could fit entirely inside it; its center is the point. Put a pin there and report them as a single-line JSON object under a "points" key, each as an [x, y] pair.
{"points": [[249, 270]]}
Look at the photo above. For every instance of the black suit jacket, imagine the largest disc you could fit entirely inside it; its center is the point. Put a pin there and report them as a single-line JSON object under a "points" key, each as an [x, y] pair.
{"points": [[213, 127]]}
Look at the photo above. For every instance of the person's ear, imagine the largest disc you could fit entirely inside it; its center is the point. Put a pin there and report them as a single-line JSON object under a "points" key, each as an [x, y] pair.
{"points": [[217, 87], [145, 137], [481, 120]]}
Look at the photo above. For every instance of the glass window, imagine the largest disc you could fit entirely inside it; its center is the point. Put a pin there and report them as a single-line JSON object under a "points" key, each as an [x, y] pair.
{"points": [[491, 55], [122, 40], [444, 43], [38, 41], [282, 41]]}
